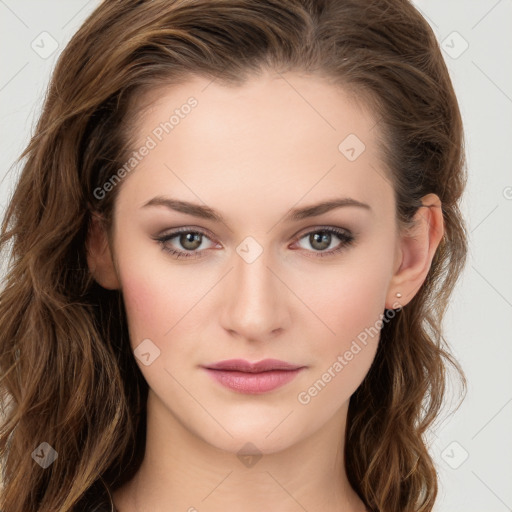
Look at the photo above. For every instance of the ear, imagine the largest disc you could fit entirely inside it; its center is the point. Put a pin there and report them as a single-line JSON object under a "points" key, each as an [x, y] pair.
{"points": [[99, 257], [415, 252]]}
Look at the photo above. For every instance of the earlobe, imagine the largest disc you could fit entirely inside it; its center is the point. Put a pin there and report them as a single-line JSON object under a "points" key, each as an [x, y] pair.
{"points": [[417, 250], [99, 256]]}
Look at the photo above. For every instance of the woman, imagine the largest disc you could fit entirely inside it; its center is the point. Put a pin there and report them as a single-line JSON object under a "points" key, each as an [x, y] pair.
{"points": [[232, 245]]}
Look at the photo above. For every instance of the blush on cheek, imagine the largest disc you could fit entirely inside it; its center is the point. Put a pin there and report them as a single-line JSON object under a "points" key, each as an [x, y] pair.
{"points": [[142, 302], [357, 308]]}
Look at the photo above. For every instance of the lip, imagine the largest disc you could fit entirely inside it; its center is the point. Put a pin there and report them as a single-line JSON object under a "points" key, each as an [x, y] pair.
{"points": [[253, 378], [242, 365]]}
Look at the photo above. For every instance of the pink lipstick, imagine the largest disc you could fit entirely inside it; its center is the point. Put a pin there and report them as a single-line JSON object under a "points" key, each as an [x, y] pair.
{"points": [[253, 378]]}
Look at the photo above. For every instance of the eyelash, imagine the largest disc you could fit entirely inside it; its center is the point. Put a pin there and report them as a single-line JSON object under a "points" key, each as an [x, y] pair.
{"points": [[347, 239]]}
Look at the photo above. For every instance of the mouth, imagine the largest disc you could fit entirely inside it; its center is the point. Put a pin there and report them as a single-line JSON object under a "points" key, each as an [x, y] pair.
{"points": [[253, 378]]}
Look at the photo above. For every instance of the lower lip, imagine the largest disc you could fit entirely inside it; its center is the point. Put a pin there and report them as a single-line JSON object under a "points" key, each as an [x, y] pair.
{"points": [[253, 383]]}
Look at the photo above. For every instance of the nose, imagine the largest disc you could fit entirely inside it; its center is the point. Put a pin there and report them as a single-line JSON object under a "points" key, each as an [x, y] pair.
{"points": [[255, 300]]}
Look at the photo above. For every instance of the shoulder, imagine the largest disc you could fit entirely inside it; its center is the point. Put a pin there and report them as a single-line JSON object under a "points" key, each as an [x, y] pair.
{"points": [[96, 499]]}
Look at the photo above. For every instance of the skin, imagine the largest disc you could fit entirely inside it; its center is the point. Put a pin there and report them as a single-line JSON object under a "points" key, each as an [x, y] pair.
{"points": [[252, 153]]}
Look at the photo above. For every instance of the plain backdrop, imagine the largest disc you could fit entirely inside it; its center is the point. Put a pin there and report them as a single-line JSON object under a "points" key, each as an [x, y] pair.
{"points": [[473, 446]]}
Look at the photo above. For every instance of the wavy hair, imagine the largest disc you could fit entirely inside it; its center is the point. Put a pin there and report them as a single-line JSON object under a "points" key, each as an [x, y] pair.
{"points": [[68, 376]]}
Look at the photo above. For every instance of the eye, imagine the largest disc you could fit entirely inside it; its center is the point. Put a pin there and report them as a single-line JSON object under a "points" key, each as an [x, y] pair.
{"points": [[191, 241], [188, 239], [322, 238]]}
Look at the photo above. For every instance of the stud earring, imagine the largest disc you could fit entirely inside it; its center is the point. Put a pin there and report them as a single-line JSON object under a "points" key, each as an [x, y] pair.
{"points": [[398, 294]]}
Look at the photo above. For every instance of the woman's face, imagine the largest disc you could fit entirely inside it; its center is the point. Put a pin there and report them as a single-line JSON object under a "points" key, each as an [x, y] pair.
{"points": [[272, 279]]}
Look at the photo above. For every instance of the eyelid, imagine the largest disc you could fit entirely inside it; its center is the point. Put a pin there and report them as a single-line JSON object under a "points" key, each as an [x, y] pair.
{"points": [[318, 228], [171, 232]]}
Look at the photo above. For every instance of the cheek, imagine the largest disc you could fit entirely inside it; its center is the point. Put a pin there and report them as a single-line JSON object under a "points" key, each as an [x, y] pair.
{"points": [[159, 300], [152, 297], [144, 307], [155, 311], [351, 304], [352, 299]]}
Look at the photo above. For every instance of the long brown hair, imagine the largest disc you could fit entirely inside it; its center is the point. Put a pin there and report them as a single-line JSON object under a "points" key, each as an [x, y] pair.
{"points": [[68, 376]]}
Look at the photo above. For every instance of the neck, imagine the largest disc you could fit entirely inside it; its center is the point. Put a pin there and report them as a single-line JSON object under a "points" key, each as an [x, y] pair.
{"points": [[181, 471]]}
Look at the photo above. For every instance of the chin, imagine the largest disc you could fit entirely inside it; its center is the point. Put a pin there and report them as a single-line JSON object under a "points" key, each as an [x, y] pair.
{"points": [[254, 445], [252, 439]]}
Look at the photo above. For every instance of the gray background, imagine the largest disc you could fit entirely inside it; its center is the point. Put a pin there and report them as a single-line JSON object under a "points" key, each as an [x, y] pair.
{"points": [[473, 447]]}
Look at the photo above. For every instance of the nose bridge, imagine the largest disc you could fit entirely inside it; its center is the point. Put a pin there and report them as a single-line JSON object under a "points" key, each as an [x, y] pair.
{"points": [[254, 306]]}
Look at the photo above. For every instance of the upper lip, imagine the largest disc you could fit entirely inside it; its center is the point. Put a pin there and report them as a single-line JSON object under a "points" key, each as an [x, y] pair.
{"points": [[242, 365]]}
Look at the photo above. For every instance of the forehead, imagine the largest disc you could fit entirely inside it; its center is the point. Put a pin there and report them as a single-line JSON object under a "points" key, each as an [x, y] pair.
{"points": [[282, 137]]}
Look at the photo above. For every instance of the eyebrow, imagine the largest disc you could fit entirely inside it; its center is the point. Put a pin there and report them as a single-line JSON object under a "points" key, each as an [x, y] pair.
{"points": [[295, 214]]}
